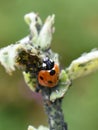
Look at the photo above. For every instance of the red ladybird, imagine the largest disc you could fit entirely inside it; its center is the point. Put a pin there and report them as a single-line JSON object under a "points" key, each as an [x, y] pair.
{"points": [[48, 76]]}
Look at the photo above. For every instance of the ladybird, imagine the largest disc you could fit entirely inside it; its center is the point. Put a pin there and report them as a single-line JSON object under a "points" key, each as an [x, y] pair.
{"points": [[48, 76]]}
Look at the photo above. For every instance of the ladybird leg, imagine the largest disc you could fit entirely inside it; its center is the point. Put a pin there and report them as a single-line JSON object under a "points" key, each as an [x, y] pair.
{"points": [[37, 88]]}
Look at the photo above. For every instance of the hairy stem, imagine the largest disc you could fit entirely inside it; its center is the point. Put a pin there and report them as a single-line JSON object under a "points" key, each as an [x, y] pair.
{"points": [[53, 111]]}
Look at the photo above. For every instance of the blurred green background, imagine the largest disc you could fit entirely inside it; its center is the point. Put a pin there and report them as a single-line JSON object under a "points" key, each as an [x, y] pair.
{"points": [[76, 32]]}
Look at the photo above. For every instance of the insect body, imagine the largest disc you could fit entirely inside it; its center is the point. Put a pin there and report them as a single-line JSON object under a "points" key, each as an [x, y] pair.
{"points": [[48, 76]]}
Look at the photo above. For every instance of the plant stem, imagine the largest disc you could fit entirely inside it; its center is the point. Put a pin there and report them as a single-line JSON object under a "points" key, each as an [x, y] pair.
{"points": [[53, 111]]}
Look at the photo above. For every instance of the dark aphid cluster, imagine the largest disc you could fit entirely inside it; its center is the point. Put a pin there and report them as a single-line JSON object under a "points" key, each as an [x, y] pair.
{"points": [[31, 62]]}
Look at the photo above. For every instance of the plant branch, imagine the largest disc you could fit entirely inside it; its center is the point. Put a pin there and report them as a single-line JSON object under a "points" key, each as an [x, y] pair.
{"points": [[53, 111]]}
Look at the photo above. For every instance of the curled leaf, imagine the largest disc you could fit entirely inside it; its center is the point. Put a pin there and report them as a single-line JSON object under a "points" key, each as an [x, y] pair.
{"points": [[30, 81], [83, 65], [62, 88]]}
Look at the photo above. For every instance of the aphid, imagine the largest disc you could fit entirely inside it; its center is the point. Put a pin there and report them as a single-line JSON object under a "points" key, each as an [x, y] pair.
{"points": [[48, 76]]}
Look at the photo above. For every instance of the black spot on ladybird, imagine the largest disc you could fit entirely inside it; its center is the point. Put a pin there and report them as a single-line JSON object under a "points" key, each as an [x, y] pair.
{"points": [[52, 72], [41, 78], [50, 82]]}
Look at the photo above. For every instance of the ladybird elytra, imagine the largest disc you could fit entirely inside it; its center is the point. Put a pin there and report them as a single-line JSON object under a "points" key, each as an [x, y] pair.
{"points": [[49, 77]]}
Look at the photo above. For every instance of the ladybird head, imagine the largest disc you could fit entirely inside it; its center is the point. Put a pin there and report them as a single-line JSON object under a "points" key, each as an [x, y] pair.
{"points": [[48, 64]]}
